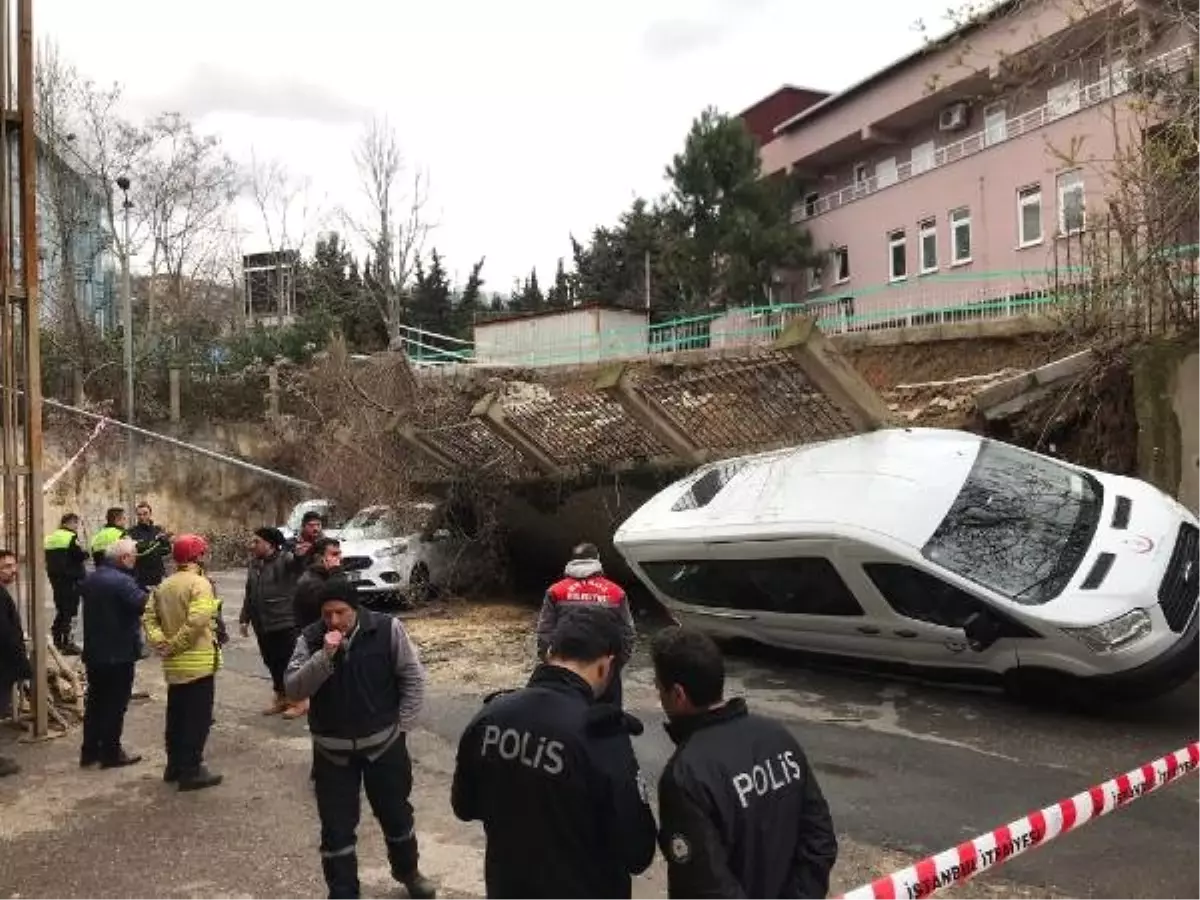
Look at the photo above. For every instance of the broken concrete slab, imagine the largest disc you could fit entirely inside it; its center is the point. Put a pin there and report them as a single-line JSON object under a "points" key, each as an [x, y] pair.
{"points": [[1014, 394]]}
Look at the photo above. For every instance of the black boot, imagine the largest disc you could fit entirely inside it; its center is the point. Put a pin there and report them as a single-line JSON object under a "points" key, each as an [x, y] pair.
{"points": [[198, 779], [8, 767], [418, 886], [88, 757], [341, 875], [170, 774]]}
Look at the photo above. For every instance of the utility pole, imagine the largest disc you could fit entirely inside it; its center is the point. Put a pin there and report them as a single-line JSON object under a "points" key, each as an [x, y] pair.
{"points": [[127, 319], [646, 264]]}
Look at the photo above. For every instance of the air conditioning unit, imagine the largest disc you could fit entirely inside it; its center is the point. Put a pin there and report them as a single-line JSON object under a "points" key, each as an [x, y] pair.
{"points": [[953, 117]]}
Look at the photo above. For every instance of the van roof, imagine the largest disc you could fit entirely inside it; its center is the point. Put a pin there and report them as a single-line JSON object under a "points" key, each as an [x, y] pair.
{"points": [[894, 483]]}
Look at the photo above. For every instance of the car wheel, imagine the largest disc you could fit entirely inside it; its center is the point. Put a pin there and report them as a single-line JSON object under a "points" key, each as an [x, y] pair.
{"points": [[420, 586]]}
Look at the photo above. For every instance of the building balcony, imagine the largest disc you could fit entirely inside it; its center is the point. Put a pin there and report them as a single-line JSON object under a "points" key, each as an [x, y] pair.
{"points": [[1089, 96]]}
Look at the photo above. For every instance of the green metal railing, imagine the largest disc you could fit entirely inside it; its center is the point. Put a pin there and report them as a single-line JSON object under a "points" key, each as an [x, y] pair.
{"points": [[925, 300]]}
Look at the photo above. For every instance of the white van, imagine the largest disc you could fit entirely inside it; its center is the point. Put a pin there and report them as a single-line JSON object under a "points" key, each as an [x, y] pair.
{"points": [[933, 549]]}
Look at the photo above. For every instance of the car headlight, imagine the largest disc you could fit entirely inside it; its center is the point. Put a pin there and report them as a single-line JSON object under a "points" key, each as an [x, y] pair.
{"points": [[390, 550], [1120, 632]]}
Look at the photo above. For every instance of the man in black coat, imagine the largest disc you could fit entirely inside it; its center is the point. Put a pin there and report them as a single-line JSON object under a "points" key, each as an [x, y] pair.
{"points": [[14, 659], [326, 559], [552, 775], [153, 547], [740, 811], [268, 609], [113, 603]]}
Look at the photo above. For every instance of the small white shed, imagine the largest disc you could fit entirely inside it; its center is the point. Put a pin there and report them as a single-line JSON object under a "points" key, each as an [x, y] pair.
{"points": [[562, 337]]}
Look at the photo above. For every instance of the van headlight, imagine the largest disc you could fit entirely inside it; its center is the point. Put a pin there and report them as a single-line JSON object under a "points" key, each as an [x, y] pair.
{"points": [[395, 549], [1120, 632]]}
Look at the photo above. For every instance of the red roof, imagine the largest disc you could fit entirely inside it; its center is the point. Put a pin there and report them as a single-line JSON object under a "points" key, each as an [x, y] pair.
{"points": [[774, 109]]}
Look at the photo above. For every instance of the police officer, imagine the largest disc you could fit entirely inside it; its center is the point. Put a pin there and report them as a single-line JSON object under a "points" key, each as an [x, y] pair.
{"points": [[65, 569], [584, 585], [741, 813], [365, 684], [115, 523], [552, 775]]}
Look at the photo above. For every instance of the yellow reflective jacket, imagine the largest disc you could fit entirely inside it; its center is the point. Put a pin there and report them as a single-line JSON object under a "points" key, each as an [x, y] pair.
{"points": [[104, 538], [182, 613]]}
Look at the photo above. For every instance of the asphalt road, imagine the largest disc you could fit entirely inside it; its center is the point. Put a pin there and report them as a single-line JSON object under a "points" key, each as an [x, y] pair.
{"points": [[918, 768]]}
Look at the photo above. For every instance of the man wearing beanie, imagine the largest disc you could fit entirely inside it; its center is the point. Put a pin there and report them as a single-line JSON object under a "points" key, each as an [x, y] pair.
{"points": [[365, 685], [181, 622], [267, 609], [550, 772]]}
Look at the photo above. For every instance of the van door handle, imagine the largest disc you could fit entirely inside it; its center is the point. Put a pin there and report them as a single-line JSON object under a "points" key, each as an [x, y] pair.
{"points": [[868, 629], [905, 633]]}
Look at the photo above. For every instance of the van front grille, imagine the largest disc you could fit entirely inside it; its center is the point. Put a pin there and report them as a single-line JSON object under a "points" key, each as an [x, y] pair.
{"points": [[1180, 587]]}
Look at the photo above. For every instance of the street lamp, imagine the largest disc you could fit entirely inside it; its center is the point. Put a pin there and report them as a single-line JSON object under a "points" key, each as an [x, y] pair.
{"points": [[127, 317]]}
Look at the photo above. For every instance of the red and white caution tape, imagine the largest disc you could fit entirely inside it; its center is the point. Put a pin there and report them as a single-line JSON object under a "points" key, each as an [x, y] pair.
{"points": [[989, 850], [49, 483]]}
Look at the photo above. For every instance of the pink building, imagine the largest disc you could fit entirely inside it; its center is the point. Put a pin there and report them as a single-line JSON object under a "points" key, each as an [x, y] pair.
{"points": [[947, 185]]}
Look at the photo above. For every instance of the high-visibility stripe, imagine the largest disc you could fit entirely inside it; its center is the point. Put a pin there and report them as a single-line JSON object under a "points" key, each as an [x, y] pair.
{"points": [[59, 540]]}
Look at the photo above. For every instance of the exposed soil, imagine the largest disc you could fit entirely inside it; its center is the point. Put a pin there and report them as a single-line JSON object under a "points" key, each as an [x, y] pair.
{"points": [[476, 646]]}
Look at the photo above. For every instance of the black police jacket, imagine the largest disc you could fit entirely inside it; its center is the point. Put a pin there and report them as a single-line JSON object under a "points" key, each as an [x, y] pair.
{"points": [[742, 814], [153, 548], [552, 776]]}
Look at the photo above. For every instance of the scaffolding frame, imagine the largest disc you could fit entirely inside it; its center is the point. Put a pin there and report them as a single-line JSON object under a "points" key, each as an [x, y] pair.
{"points": [[20, 352]]}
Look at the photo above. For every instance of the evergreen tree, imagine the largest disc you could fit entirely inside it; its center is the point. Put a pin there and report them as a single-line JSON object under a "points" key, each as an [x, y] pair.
{"points": [[561, 294], [431, 307], [469, 302]]}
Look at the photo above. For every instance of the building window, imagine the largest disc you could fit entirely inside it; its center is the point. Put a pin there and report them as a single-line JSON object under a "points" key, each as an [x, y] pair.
{"points": [[860, 176], [960, 236], [995, 124], [923, 157], [1114, 78], [810, 204], [1062, 99], [1071, 214], [885, 172], [814, 279], [792, 586], [897, 256], [1029, 215], [841, 265], [927, 242]]}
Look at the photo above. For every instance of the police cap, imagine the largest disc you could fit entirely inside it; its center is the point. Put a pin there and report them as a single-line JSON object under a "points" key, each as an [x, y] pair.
{"points": [[586, 634]]}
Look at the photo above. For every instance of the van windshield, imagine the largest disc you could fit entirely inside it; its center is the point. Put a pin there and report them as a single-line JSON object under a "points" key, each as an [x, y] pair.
{"points": [[1021, 525]]}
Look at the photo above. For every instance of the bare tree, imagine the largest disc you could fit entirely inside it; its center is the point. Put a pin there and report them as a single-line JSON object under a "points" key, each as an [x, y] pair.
{"points": [[188, 189], [396, 225]]}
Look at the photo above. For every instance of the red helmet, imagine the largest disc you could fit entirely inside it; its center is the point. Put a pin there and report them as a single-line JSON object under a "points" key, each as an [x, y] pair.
{"points": [[188, 548]]}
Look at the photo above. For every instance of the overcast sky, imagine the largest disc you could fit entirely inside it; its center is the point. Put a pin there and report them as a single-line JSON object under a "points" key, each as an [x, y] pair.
{"points": [[533, 119]]}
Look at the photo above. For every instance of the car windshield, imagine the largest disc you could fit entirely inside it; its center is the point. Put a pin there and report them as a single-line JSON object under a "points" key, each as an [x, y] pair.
{"points": [[375, 523], [1020, 526]]}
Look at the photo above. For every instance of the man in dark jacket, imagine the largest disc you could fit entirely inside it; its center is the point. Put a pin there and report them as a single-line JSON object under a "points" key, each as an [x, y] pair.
{"points": [[113, 603], [740, 811], [267, 608], [326, 556], [552, 775], [365, 683], [153, 547], [65, 569], [14, 659], [585, 585]]}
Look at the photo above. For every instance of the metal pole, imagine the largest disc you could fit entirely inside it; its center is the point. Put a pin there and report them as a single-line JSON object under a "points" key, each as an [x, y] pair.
{"points": [[646, 261], [31, 322], [127, 315]]}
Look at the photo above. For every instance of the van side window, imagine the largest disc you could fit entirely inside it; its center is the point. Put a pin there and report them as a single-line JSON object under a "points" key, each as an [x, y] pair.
{"points": [[918, 595], [801, 585]]}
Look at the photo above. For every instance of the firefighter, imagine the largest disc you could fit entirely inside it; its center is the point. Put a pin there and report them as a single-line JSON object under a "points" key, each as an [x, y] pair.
{"points": [[550, 771], [584, 584], [740, 811], [182, 622], [365, 685], [65, 568]]}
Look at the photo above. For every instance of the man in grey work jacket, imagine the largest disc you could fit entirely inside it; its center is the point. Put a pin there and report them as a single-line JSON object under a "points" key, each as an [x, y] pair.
{"points": [[365, 684]]}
